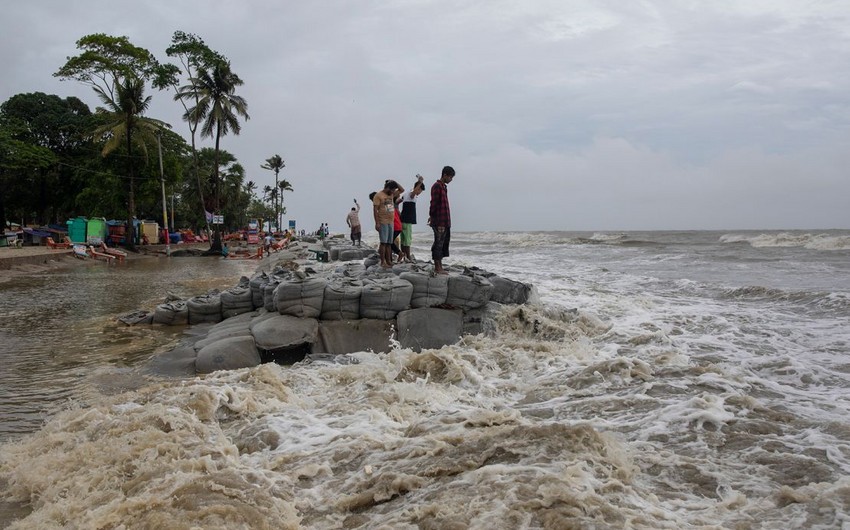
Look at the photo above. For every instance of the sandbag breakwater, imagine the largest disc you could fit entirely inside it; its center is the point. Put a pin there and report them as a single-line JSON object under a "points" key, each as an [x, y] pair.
{"points": [[293, 307]]}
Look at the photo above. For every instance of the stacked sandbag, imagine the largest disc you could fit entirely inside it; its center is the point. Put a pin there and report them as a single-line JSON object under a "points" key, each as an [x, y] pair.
{"points": [[269, 289], [301, 296], [257, 284], [237, 300], [429, 290], [174, 313], [383, 298], [350, 270], [468, 290], [342, 299], [371, 261], [507, 291], [205, 308], [353, 254]]}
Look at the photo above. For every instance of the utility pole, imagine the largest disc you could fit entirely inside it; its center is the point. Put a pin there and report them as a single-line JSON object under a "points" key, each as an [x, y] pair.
{"points": [[164, 203]]}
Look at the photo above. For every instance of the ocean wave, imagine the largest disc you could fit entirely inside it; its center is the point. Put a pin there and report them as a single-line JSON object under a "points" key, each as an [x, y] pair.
{"points": [[787, 239], [820, 300]]}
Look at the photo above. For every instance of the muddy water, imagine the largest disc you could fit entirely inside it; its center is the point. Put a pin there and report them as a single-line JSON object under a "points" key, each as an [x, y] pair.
{"points": [[60, 342]]}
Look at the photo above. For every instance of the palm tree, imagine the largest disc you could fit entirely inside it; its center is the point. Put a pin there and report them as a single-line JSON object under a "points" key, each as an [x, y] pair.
{"points": [[275, 164], [126, 126], [219, 108], [283, 186]]}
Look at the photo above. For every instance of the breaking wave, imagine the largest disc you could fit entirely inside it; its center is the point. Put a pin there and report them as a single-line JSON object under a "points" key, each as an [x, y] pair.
{"points": [[787, 239]]}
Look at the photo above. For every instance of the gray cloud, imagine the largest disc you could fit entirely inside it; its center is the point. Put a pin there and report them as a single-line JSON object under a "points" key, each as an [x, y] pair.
{"points": [[578, 115]]}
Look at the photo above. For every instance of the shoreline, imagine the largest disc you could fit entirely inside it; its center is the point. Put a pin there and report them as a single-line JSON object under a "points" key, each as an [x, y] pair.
{"points": [[24, 260]]}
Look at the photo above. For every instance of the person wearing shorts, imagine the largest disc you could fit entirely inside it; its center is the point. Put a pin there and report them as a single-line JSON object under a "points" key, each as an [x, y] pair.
{"points": [[383, 206], [440, 219]]}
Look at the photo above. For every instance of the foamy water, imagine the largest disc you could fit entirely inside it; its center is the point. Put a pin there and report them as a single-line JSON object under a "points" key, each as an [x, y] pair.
{"points": [[667, 380]]}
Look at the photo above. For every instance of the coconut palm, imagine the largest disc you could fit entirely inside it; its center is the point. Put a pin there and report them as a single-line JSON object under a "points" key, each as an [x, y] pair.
{"points": [[218, 109], [284, 185], [275, 164], [125, 125]]}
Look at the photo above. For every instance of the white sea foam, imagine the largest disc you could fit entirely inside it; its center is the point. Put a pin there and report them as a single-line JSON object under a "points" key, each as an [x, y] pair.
{"points": [[634, 396], [787, 239]]}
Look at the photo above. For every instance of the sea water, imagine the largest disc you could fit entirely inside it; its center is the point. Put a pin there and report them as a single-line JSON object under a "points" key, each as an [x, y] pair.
{"points": [[665, 380]]}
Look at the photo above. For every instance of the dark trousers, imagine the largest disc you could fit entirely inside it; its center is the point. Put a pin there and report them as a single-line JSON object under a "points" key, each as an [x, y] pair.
{"points": [[440, 248]]}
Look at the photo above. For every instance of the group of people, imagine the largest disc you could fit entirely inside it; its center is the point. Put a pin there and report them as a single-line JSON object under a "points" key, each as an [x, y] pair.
{"points": [[394, 211]]}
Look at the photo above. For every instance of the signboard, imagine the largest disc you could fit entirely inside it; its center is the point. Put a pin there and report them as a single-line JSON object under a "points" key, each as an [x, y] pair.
{"points": [[292, 224], [218, 219]]}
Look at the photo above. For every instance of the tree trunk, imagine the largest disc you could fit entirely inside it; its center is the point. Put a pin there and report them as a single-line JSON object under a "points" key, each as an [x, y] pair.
{"points": [[216, 242], [130, 233]]}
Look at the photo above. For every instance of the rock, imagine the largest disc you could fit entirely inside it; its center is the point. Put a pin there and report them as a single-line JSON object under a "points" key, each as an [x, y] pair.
{"points": [[349, 336], [427, 327], [227, 354]]}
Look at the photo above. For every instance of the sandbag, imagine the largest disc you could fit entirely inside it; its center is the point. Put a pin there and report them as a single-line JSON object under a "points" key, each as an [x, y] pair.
{"points": [[369, 261], [205, 308], [268, 294], [278, 334], [136, 317], [301, 297], [174, 313], [342, 299], [228, 354], [428, 289], [383, 298], [257, 284], [468, 290], [350, 270], [507, 291], [236, 300], [351, 254]]}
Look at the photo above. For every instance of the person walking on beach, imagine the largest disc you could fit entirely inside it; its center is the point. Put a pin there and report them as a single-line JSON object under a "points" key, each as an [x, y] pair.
{"points": [[353, 220], [267, 244], [383, 207], [440, 219], [408, 216]]}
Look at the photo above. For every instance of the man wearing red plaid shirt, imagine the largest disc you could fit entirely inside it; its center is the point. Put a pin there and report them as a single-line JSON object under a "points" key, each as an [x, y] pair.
{"points": [[440, 219]]}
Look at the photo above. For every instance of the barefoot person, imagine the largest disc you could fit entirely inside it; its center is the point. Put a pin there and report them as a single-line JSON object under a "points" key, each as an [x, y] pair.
{"points": [[353, 220], [383, 207], [408, 216], [440, 219]]}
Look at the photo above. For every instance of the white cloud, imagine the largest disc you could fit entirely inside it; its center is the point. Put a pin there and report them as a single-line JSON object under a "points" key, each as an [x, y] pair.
{"points": [[591, 115]]}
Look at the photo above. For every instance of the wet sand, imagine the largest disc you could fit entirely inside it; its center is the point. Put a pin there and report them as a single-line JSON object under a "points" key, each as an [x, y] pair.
{"points": [[33, 259]]}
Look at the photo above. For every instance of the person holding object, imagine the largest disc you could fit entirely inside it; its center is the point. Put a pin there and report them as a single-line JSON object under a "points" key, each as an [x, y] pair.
{"points": [[383, 209], [440, 218], [353, 220], [408, 216]]}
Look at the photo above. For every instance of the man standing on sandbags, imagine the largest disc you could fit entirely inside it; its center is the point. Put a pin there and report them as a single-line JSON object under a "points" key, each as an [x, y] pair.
{"points": [[383, 205], [440, 219]]}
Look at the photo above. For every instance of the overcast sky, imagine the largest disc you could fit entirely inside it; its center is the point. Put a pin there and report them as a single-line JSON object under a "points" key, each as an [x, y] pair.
{"points": [[556, 115]]}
